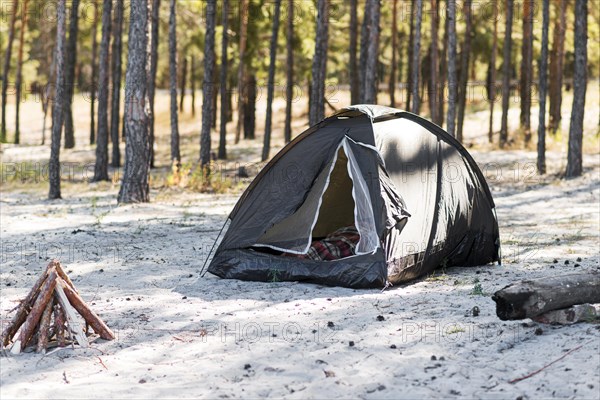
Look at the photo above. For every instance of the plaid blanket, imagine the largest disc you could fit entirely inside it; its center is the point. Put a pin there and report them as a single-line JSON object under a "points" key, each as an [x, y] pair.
{"points": [[339, 244]]}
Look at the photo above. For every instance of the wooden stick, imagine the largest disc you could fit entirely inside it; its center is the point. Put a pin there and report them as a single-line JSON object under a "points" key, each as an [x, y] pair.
{"points": [[59, 322], [90, 317], [42, 341], [73, 324], [23, 309], [63, 275], [36, 311]]}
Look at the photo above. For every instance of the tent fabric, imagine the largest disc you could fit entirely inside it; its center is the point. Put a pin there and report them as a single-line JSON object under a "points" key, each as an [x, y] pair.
{"points": [[418, 197]]}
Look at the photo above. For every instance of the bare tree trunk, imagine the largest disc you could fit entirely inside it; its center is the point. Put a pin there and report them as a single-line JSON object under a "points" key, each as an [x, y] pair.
{"points": [[392, 85], [183, 82], [433, 78], [364, 50], [452, 82], [6, 68], [354, 81], [289, 86], [416, 58], [442, 70], [527, 68], [240, 75], [371, 81], [71, 55], [154, 23], [94, 85], [222, 155], [117, 50], [135, 187], [464, 70], [58, 106], [492, 83], [193, 84], [557, 59], [319, 66], [411, 39], [271, 80], [574, 159], [541, 146], [18, 82], [101, 166], [506, 72], [175, 154], [250, 107], [208, 84], [215, 103]]}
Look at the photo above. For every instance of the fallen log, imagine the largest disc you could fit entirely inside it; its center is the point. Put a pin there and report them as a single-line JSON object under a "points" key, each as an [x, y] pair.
{"points": [[571, 315], [530, 298]]}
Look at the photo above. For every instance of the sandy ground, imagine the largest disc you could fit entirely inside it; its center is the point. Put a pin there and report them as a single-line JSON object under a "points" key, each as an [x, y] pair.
{"points": [[179, 335]]}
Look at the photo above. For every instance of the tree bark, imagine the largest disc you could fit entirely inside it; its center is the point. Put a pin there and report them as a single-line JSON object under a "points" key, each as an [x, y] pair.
{"points": [[433, 77], [289, 84], [527, 68], [557, 59], [250, 107], [371, 81], [154, 23], [6, 68], [416, 58], [530, 298], [58, 106], [319, 65], [44, 326], [134, 187], [271, 78], [101, 166], [175, 154], [364, 50], [193, 84], [18, 82], [208, 84], [94, 85], [452, 81], [183, 82], [240, 73], [354, 81], [222, 154], [392, 85], [442, 70], [115, 113], [464, 70], [411, 38], [506, 61], [492, 67], [574, 156], [71, 60], [543, 85]]}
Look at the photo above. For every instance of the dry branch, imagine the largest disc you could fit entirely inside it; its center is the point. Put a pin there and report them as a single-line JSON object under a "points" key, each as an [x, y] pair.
{"points": [[73, 324], [44, 325]]}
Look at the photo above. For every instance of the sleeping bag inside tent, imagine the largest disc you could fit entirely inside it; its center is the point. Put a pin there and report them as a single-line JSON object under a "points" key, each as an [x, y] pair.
{"points": [[368, 197]]}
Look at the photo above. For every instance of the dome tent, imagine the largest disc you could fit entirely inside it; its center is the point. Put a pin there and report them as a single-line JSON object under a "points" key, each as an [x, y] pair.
{"points": [[416, 197]]}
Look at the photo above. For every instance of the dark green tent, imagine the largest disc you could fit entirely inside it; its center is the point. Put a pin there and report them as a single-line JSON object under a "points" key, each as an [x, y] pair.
{"points": [[413, 193]]}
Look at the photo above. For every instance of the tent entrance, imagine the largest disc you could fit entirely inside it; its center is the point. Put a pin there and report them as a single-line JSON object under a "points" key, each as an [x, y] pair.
{"points": [[337, 208]]}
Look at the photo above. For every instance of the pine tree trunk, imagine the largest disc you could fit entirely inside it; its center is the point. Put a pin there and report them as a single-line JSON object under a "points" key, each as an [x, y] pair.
{"points": [[271, 80], [135, 187], [411, 39], [93, 86], [371, 80], [183, 82], [452, 82], [6, 68], [58, 104], [71, 60], [574, 159], [18, 82], [492, 83], [527, 68], [506, 61], [543, 85], [215, 102], [208, 83], [222, 155], [240, 73], [101, 166], [416, 58], [364, 50], [289, 85], [557, 59], [319, 66], [392, 85], [175, 154], [464, 70], [154, 23], [443, 69], [433, 51], [250, 107], [116, 61], [193, 84], [354, 81]]}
